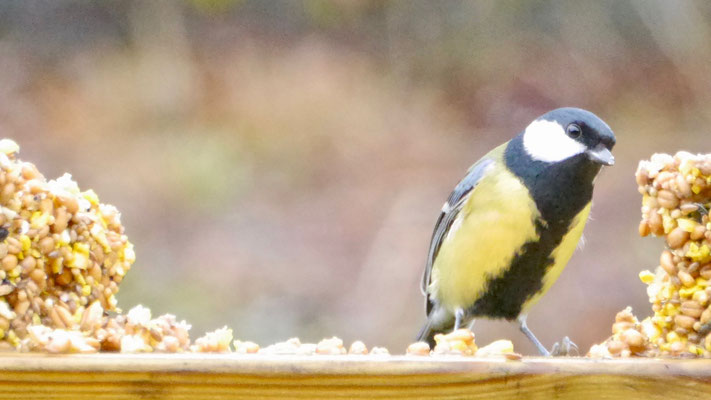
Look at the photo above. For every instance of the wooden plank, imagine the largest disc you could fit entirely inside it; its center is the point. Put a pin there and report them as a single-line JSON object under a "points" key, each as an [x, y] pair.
{"points": [[231, 376]]}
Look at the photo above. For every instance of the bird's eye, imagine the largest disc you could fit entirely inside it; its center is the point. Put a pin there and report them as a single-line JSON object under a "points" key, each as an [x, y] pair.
{"points": [[574, 131]]}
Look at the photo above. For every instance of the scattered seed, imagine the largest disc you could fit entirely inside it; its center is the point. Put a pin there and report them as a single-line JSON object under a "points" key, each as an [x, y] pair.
{"points": [[418, 349]]}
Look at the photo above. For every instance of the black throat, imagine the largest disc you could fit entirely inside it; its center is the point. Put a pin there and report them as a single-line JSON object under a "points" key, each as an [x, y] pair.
{"points": [[560, 191]]}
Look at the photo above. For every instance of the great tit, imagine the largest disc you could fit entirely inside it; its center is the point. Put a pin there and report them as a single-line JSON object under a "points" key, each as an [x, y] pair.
{"points": [[510, 226]]}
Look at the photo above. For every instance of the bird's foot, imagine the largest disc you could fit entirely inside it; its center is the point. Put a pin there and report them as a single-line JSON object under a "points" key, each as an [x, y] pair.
{"points": [[705, 329], [700, 211], [564, 348]]}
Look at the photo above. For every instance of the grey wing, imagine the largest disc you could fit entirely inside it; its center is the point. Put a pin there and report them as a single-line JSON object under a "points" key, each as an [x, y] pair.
{"points": [[450, 210]]}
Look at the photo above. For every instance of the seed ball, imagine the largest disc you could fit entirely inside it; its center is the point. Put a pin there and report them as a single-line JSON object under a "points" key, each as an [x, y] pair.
{"points": [[698, 232], [686, 279], [683, 186], [705, 271], [6, 289], [621, 326], [684, 321], [46, 245], [701, 297], [61, 220], [633, 338], [705, 316], [688, 208], [655, 223], [692, 308], [667, 199], [28, 264], [667, 262], [9, 262], [644, 229], [13, 245], [616, 346], [677, 238]]}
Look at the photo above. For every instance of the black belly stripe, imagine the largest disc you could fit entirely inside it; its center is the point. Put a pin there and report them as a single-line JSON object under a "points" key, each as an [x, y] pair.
{"points": [[560, 191], [506, 293]]}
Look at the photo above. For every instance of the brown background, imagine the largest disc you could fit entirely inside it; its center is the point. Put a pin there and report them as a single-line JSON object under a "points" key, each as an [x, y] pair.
{"points": [[280, 165]]}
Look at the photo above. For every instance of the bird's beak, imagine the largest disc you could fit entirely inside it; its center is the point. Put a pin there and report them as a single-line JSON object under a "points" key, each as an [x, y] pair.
{"points": [[601, 155]]}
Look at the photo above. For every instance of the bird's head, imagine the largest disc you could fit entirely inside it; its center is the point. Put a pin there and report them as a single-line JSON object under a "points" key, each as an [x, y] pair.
{"points": [[568, 132]]}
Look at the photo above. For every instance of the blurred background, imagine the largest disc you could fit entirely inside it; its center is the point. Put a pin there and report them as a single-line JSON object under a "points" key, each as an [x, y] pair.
{"points": [[280, 165]]}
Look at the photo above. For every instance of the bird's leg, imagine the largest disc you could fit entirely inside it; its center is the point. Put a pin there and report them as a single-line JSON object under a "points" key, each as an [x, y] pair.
{"points": [[531, 336], [471, 325], [458, 318]]}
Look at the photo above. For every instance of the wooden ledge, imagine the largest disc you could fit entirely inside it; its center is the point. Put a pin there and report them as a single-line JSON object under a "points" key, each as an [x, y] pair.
{"points": [[231, 376]]}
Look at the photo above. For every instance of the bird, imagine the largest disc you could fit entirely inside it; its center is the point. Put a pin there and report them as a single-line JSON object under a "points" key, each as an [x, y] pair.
{"points": [[510, 226]]}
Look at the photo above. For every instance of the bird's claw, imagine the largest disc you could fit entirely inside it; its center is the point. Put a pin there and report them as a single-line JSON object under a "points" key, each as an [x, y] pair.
{"points": [[700, 212], [564, 348]]}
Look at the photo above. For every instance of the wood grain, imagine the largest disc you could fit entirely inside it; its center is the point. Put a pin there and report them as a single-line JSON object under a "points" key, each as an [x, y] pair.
{"points": [[229, 376]]}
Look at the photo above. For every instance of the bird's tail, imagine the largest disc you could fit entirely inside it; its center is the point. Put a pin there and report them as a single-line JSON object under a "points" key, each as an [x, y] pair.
{"points": [[427, 334], [435, 324]]}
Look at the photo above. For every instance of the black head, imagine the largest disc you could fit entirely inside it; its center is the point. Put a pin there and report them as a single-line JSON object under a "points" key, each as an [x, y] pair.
{"points": [[558, 157], [568, 132]]}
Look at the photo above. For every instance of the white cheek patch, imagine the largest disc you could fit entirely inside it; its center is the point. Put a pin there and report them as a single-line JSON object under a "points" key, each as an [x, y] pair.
{"points": [[546, 141]]}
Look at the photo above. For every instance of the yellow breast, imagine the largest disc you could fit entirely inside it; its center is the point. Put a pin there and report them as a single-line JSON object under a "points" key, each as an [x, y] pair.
{"points": [[497, 219]]}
